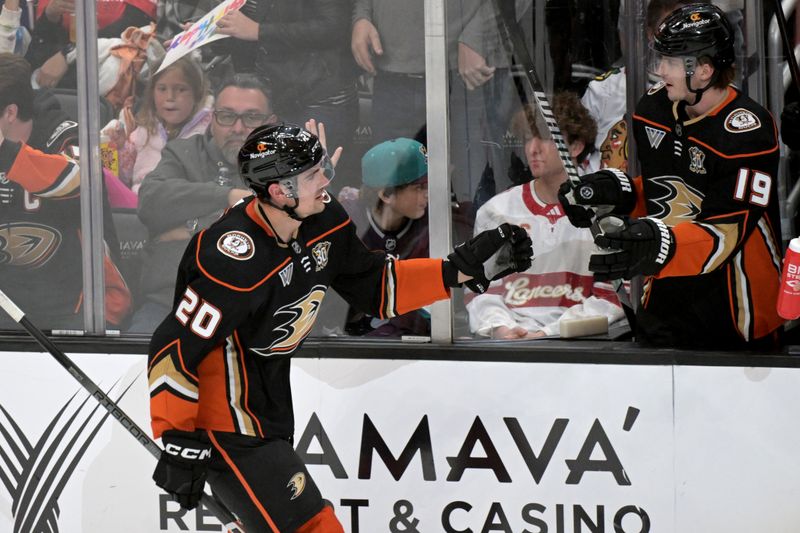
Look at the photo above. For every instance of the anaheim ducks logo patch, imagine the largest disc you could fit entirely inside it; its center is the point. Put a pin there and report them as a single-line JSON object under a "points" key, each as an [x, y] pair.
{"points": [[741, 120], [320, 253], [297, 485], [27, 245], [298, 318], [236, 245], [678, 202]]}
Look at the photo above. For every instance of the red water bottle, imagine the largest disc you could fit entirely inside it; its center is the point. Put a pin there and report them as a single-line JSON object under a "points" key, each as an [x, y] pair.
{"points": [[789, 293]]}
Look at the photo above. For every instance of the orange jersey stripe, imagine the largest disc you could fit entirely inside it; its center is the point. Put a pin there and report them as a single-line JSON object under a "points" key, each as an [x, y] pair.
{"points": [[737, 156], [337, 228], [419, 283]]}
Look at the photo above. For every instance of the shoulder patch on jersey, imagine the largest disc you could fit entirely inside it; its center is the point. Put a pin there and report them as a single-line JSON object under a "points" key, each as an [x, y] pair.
{"points": [[320, 254], [236, 245], [655, 88], [741, 120]]}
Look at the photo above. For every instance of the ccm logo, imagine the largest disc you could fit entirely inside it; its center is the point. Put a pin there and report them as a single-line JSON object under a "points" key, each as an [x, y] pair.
{"points": [[188, 453]]}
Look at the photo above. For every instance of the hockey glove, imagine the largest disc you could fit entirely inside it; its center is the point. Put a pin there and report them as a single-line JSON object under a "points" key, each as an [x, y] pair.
{"points": [[182, 468], [608, 187], [643, 246], [509, 247]]}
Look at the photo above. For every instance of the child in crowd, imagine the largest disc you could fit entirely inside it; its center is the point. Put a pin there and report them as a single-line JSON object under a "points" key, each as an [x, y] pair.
{"points": [[391, 216], [175, 105]]}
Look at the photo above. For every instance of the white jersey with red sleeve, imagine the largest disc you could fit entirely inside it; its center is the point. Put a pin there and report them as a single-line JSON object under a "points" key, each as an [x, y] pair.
{"points": [[558, 285]]}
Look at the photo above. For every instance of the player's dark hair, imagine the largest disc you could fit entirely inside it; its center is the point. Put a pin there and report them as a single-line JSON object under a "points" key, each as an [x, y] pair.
{"points": [[246, 81], [574, 121], [15, 85]]}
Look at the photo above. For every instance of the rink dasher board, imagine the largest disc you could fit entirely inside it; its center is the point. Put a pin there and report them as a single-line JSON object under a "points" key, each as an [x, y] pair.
{"points": [[437, 446]]}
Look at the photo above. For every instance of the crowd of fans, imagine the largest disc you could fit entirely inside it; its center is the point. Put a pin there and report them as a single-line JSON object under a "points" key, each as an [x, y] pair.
{"points": [[169, 149]]}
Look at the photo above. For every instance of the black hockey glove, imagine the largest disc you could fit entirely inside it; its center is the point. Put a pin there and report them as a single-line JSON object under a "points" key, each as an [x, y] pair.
{"points": [[182, 468], [790, 125], [606, 188], [508, 246], [643, 246]]}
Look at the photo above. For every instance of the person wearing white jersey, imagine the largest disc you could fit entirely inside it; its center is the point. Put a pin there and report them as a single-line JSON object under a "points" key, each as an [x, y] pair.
{"points": [[558, 285]]}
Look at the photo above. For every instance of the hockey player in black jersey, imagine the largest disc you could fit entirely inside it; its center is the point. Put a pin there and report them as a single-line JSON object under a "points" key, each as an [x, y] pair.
{"points": [[248, 291], [704, 220]]}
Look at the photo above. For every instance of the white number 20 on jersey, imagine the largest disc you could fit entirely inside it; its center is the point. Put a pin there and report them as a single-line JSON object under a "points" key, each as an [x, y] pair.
{"points": [[760, 186], [204, 317]]}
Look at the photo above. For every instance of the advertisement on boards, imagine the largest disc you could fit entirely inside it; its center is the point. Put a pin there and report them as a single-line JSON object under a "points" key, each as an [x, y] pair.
{"points": [[435, 447]]}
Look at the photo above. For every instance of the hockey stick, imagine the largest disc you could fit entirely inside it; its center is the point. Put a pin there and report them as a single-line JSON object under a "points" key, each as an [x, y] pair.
{"points": [[790, 58], [510, 30], [221, 513], [506, 23]]}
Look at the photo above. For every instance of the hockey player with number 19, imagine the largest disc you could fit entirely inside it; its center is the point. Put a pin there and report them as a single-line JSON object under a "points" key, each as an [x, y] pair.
{"points": [[248, 291], [708, 236]]}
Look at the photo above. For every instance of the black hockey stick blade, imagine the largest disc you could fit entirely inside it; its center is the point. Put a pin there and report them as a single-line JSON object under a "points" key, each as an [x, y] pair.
{"points": [[221, 513]]}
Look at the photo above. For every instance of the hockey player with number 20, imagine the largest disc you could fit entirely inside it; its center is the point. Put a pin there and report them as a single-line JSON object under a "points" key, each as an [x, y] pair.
{"points": [[702, 222], [248, 291]]}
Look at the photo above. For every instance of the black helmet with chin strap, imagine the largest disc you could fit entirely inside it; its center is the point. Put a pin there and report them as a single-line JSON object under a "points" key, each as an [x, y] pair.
{"points": [[693, 31], [278, 153]]}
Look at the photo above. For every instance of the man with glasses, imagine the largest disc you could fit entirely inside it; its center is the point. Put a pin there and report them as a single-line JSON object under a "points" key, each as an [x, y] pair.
{"points": [[195, 181]]}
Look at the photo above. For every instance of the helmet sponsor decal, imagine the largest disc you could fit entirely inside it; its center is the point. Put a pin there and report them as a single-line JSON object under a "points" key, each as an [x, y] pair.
{"points": [[741, 120], [236, 245]]}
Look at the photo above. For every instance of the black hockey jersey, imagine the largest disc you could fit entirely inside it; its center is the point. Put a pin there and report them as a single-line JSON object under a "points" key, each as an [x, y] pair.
{"points": [[40, 225], [713, 179], [244, 302]]}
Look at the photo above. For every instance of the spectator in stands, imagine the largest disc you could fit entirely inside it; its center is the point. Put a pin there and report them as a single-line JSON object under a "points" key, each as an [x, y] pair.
{"points": [[606, 101], [14, 36], [51, 52], [300, 46], [393, 203], [40, 209], [558, 285], [195, 180], [175, 105]]}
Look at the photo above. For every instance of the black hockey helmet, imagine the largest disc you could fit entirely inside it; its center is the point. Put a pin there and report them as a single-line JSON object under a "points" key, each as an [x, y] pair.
{"points": [[276, 152], [696, 30]]}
